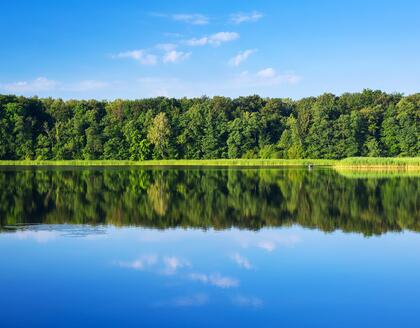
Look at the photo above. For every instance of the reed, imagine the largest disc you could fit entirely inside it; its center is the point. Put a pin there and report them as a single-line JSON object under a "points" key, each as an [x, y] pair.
{"points": [[380, 162], [374, 163], [181, 162]]}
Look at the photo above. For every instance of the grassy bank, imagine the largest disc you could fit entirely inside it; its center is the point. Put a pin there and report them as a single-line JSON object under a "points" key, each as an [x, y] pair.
{"points": [[181, 162], [360, 163], [380, 163]]}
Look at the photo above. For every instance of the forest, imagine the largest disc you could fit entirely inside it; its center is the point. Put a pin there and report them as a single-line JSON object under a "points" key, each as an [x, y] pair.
{"points": [[370, 123]]}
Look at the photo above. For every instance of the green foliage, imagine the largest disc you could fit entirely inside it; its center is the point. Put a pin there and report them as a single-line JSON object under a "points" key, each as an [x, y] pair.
{"points": [[268, 151], [243, 136], [158, 135], [290, 144], [192, 125], [390, 132], [369, 123], [408, 116], [212, 198], [373, 149]]}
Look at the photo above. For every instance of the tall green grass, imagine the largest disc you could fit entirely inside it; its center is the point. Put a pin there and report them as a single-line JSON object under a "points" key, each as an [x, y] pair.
{"points": [[380, 162], [352, 162], [181, 162]]}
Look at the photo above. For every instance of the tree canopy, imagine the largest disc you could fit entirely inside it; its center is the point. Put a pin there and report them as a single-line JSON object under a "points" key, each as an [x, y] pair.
{"points": [[369, 123]]}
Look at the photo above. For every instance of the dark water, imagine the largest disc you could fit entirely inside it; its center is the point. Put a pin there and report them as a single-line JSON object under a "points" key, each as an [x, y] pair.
{"points": [[208, 247]]}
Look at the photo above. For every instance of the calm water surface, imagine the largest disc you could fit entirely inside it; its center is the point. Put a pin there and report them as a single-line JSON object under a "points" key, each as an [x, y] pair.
{"points": [[208, 247]]}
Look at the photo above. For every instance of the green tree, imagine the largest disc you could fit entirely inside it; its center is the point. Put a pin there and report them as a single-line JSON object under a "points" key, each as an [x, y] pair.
{"points": [[243, 136], [159, 135], [408, 116], [192, 128], [214, 143], [346, 135], [139, 148], [321, 133], [390, 132], [290, 144]]}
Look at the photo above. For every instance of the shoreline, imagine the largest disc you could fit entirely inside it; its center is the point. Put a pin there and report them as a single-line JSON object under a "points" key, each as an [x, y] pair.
{"points": [[359, 163]]}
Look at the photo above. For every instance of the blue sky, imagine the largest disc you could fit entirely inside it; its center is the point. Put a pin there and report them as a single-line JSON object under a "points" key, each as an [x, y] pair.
{"points": [[136, 49]]}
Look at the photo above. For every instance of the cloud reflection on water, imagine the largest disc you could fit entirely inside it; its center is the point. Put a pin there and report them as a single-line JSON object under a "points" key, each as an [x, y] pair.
{"points": [[173, 263], [180, 268], [194, 300], [241, 261], [215, 279], [252, 301], [141, 263]]}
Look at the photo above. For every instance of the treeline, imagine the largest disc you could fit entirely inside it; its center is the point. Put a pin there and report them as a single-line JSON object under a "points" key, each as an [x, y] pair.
{"points": [[370, 123], [217, 198]]}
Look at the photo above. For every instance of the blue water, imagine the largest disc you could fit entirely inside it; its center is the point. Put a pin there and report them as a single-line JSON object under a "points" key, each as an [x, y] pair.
{"points": [[131, 247], [71, 276]]}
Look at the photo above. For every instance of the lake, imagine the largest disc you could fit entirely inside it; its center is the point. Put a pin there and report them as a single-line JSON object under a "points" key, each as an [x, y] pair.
{"points": [[198, 247]]}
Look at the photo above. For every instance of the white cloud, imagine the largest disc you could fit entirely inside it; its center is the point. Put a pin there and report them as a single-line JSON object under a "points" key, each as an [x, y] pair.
{"points": [[265, 77], [247, 301], [272, 77], [152, 86], [291, 78], [174, 56], [223, 37], [241, 57], [139, 55], [267, 73], [171, 55], [194, 19], [197, 42], [40, 84], [239, 18], [215, 280], [140, 263], [241, 261], [166, 46], [214, 39]]}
